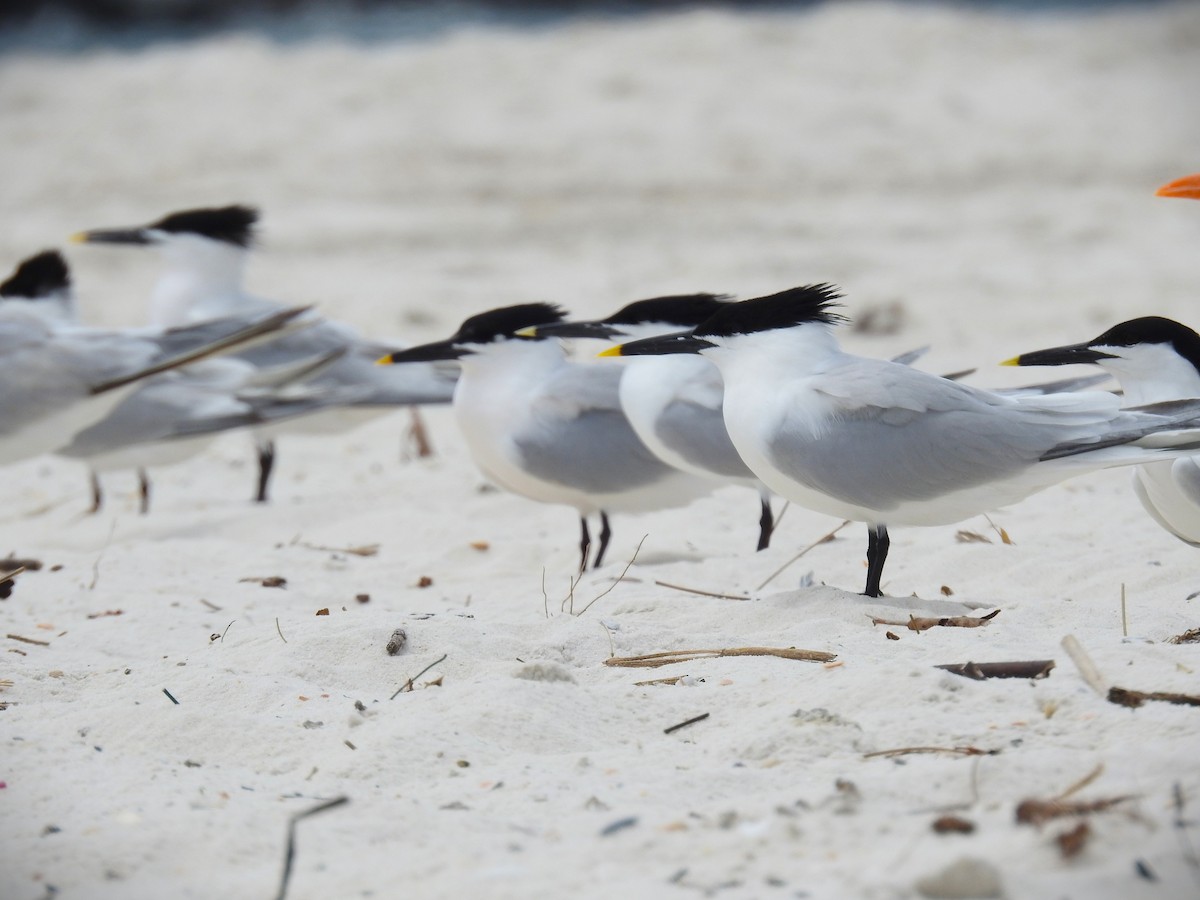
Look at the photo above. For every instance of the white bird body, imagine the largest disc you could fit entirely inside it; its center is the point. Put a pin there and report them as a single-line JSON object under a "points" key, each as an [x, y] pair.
{"points": [[552, 430], [881, 443]]}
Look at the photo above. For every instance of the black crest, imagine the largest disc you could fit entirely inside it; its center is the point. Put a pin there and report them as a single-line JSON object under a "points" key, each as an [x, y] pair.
{"points": [[505, 322], [1153, 330], [38, 276], [231, 224], [684, 310], [796, 306]]}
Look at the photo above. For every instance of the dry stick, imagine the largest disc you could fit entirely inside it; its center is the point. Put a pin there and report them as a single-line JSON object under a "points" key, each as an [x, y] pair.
{"points": [[675, 680], [25, 640], [226, 631], [280, 630], [688, 590], [364, 550], [100, 556], [818, 542], [290, 852], [1084, 663], [923, 623], [961, 751], [1034, 668], [692, 721], [1124, 618], [420, 437], [1133, 699], [545, 597], [1082, 783], [408, 685], [667, 657], [636, 551]]}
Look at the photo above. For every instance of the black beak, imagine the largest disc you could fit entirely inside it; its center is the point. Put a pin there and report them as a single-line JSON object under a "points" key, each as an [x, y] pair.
{"points": [[111, 236], [600, 330], [1072, 354], [438, 350], [679, 342]]}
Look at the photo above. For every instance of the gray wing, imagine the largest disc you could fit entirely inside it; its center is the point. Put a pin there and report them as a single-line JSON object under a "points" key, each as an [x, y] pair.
{"points": [[579, 437], [900, 435], [698, 434]]}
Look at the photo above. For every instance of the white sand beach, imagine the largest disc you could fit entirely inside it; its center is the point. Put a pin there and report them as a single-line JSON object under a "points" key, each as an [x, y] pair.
{"points": [[982, 178]]}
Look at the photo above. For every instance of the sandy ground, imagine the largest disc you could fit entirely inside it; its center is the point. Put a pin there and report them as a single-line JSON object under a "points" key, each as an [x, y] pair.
{"points": [[985, 177]]}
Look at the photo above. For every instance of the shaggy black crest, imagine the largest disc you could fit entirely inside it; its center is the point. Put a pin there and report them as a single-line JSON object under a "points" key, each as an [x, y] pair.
{"points": [[796, 306], [38, 276], [231, 224], [505, 321], [684, 310], [1153, 330]]}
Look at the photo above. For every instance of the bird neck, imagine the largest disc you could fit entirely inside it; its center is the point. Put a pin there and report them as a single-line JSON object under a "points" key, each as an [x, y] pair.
{"points": [[202, 279]]}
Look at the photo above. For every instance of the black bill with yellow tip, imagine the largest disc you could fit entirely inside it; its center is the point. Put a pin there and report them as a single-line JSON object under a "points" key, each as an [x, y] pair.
{"points": [[1070, 355], [438, 350], [679, 342], [111, 236]]}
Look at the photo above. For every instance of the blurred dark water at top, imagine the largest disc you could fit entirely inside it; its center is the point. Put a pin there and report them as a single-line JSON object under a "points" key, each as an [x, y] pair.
{"points": [[72, 25]]}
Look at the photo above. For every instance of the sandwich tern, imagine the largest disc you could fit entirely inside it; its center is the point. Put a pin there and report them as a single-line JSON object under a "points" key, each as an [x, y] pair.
{"points": [[172, 416], [548, 428], [674, 402], [205, 252], [884, 444], [60, 380], [1154, 360]]}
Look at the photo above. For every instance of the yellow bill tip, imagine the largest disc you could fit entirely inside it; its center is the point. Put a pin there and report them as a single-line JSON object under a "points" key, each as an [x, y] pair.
{"points": [[529, 331], [611, 351], [79, 237], [1015, 361], [384, 360]]}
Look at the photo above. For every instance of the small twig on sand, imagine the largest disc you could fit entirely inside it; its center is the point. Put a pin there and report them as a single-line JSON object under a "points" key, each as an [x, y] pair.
{"points": [[1191, 636], [1134, 699], [960, 751], [545, 596], [408, 685], [170, 696], [688, 590], [1039, 812], [824, 539], [607, 590], [667, 657], [290, 853], [1004, 538], [692, 721], [1124, 616], [1082, 782], [653, 681], [418, 434], [25, 640], [1084, 663], [1034, 668], [279, 630], [364, 550], [923, 623]]}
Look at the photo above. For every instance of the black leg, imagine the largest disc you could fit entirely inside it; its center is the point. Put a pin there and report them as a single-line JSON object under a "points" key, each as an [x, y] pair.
{"points": [[605, 534], [143, 491], [766, 524], [266, 462], [97, 494], [877, 551], [585, 544]]}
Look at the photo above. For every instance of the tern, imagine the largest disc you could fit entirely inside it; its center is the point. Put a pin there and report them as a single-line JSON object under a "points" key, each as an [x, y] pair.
{"points": [[674, 402], [548, 428], [205, 252], [881, 443], [1154, 360], [170, 417], [59, 380]]}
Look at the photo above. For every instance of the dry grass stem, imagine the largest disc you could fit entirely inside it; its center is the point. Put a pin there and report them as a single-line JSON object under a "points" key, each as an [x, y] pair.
{"points": [[668, 657], [364, 550], [824, 539], [609, 589], [957, 751], [688, 590]]}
